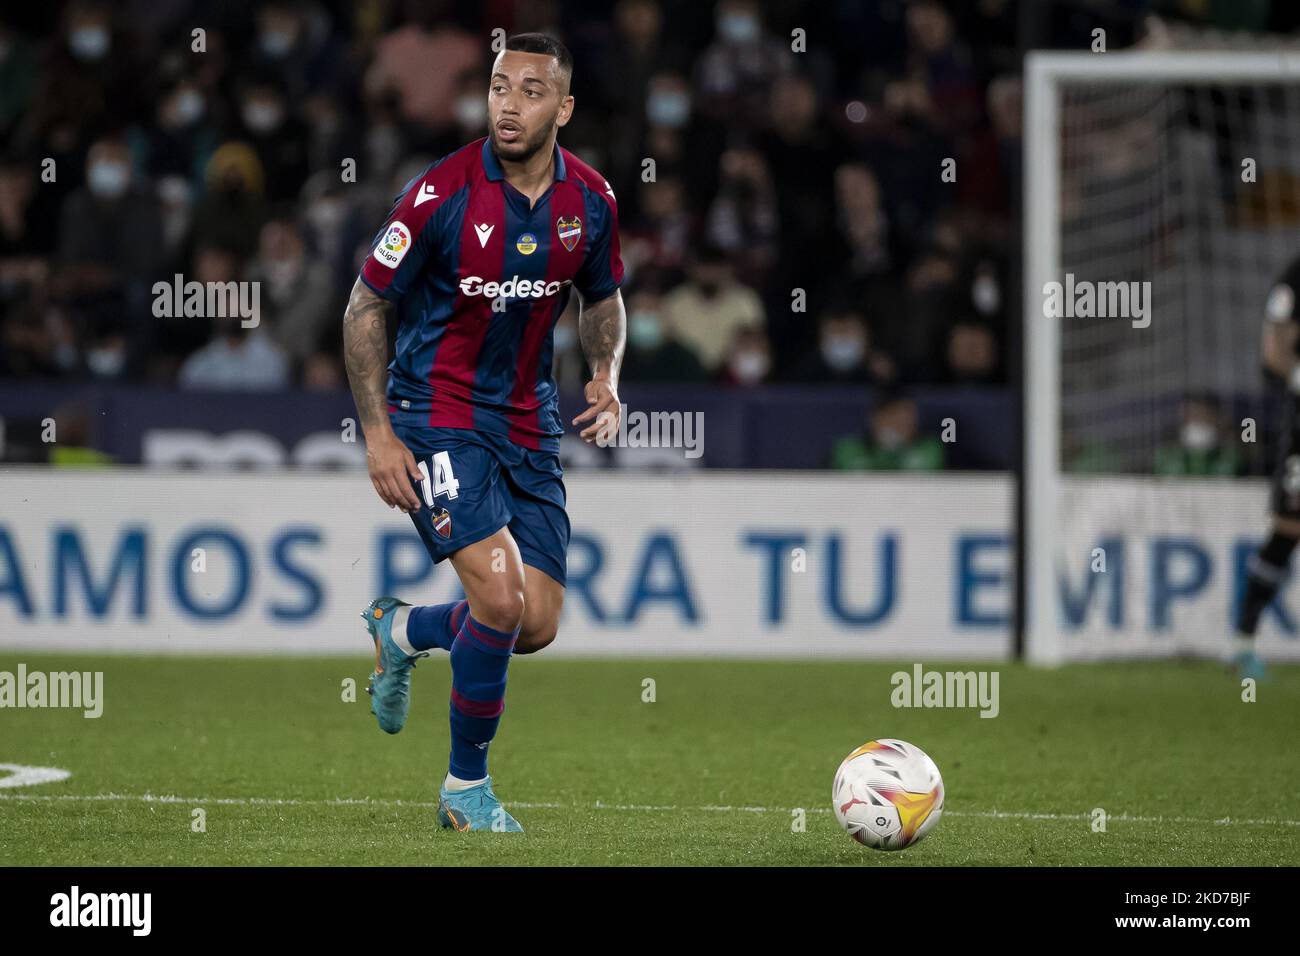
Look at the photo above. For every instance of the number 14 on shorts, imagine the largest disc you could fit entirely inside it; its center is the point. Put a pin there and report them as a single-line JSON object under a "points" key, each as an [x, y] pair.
{"points": [[442, 482]]}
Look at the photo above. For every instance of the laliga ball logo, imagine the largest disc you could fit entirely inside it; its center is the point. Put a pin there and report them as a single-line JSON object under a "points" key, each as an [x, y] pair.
{"points": [[396, 239], [887, 794]]}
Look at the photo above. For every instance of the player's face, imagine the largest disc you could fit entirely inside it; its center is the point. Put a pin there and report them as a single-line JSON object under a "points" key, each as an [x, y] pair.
{"points": [[528, 98]]}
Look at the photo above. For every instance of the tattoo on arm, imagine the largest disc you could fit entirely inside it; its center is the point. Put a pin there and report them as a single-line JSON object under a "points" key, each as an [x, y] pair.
{"points": [[602, 331], [365, 353]]}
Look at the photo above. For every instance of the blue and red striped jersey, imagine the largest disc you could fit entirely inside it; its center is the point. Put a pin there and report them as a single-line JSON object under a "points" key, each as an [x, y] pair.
{"points": [[479, 279]]}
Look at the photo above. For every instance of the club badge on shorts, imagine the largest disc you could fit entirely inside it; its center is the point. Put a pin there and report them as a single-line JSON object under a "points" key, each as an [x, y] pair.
{"points": [[569, 229], [442, 522]]}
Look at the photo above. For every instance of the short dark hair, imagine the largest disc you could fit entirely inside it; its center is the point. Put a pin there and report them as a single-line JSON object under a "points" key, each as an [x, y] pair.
{"points": [[544, 44]]}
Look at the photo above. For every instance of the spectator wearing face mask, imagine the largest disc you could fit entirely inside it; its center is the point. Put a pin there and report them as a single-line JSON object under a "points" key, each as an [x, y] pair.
{"points": [[844, 354], [653, 353], [735, 74], [278, 137], [706, 311], [892, 441], [297, 296], [1200, 449], [111, 229], [748, 360]]}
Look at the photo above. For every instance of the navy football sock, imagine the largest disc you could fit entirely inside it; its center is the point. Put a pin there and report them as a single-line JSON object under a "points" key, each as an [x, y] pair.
{"points": [[479, 659], [435, 625]]}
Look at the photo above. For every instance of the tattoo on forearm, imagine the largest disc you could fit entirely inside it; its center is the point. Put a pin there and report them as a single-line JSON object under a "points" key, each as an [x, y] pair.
{"points": [[601, 330], [365, 352]]}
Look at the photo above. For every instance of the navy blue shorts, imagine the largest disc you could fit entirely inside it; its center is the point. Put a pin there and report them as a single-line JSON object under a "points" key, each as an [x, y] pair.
{"points": [[479, 483]]}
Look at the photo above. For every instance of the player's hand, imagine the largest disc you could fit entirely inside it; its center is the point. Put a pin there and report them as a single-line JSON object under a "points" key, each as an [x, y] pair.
{"points": [[392, 467], [602, 410]]}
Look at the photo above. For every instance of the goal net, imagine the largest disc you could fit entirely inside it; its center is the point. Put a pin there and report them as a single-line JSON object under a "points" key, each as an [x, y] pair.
{"points": [[1162, 203]]}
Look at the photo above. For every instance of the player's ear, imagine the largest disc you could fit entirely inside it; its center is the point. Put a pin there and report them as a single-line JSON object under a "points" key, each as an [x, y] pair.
{"points": [[566, 111]]}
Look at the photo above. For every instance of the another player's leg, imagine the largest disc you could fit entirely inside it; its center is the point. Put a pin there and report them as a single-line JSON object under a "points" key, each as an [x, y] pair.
{"points": [[492, 574], [1265, 574]]}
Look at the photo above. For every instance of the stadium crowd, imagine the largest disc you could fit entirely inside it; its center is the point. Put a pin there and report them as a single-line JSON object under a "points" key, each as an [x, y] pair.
{"points": [[795, 224]]}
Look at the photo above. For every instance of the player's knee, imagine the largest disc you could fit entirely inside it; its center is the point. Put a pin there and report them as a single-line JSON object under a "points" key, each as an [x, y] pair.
{"points": [[533, 640], [1286, 527], [501, 608]]}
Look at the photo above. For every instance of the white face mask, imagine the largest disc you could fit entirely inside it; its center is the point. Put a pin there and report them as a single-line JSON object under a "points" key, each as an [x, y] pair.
{"points": [[1199, 436], [668, 109], [262, 117], [645, 330], [277, 43], [749, 367], [842, 352], [106, 363], [282, 274], [189, 107], [738, 27], [986, 295], [108, 179], [89, 43]]}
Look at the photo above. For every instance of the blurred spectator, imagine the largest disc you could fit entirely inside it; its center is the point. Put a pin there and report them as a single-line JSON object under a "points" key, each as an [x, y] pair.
{"points": [[748, 359], [237, 359], [707, 309], [297, 297], [277, 136], [403, 60], [801, 155], [72, 446], [653, 352], [322, 372], [844, 354], [734, 75], [659, 243], [24, 256], [972, 357], [742, 219], [111, 230], [1200, 450], [891, 442], [233, 207]]}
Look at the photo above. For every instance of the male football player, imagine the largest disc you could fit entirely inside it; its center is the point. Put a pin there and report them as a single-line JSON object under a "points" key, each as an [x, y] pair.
{"points": [[1268, 568], [477, 260]]}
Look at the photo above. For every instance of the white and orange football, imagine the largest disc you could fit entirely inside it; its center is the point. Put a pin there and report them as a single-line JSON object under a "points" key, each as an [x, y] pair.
{"points": [[888, 794]]}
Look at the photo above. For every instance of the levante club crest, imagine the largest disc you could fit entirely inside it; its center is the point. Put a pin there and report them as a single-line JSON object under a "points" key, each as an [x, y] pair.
{"points": [[569, 229]]}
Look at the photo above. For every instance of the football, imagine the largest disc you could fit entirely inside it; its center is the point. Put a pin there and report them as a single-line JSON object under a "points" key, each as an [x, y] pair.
{"points": [[888, 794]]}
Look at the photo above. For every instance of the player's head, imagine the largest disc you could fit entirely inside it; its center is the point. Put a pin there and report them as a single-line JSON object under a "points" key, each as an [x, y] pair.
{"points": [[528, 95]]}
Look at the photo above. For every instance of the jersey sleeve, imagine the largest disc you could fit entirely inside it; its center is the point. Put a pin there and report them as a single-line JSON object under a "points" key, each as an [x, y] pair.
{"points": [[602, 269], [402, 247]]}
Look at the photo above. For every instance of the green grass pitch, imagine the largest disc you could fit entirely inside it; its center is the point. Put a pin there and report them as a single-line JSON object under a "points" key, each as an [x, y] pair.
{"points": [[709, 773]]}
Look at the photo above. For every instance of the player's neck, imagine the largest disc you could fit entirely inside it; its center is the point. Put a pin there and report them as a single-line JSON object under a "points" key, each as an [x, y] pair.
{"points": [[534, 175]]}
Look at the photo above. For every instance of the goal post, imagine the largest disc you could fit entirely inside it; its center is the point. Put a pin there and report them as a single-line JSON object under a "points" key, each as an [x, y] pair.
{"points": [[1148, 202]]}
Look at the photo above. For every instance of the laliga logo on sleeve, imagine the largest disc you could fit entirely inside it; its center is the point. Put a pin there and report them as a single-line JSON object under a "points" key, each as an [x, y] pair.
{"points": [[396, 241]]}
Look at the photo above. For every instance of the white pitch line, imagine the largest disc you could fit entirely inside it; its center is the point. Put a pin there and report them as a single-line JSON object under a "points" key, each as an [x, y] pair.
{"points": [[599, 805]]}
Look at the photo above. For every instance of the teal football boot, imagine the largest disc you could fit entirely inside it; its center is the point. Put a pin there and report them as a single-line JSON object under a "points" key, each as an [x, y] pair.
{"points": [[390, 682], [475, 809]]}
